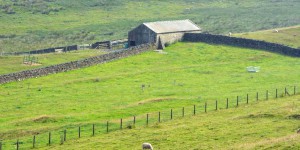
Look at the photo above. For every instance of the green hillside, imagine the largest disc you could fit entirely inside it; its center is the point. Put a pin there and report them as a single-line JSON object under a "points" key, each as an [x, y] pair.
{"points": [[14, 63], [289, 36], [184, 76], [266, 125], [10, 64], [35, 24], [188, 74]]}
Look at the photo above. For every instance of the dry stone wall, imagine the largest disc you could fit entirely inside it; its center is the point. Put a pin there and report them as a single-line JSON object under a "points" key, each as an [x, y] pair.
{"points": [[18, 76], [241, 42]]}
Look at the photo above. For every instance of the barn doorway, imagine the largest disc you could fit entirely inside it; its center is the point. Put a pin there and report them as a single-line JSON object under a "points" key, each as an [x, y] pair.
{"points": [[161, 44], [132, 43]]}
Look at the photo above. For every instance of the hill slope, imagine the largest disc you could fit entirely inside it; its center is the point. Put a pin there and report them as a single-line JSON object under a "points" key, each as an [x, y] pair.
{"points": [[263, 125], [188, 74], [289, 36], [42, 23], [10, 64]]}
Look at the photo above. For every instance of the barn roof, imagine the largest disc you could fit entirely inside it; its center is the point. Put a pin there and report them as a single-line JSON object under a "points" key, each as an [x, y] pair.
{"points": [[172, 26]]}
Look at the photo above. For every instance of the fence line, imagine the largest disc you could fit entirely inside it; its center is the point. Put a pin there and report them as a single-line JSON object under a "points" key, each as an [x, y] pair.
{"points": [[113, 126], [46, 50], [108, 45]]}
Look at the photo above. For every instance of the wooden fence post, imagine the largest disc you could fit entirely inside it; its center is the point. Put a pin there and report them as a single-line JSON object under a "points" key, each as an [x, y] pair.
{"points": [[247, 98], [158, 116], [182, 111], [61, 139], [256, 96], [205, 107], [18, 144], [227, 103], [33, 142], [93, 129], [285, 91], [121, 123], [294, 90], [65, 135], [171, 114], [267, 95], [133, 119], [194, 109], [49, 141], [216, 104], [79, 132], [276, 93], [237, 101], [107, 126], [147, 119]]}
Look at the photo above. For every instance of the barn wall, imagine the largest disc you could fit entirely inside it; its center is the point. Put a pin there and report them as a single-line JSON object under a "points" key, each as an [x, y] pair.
{"points": [[141, 35], [170, 38], [241, 42], [18, 76]]}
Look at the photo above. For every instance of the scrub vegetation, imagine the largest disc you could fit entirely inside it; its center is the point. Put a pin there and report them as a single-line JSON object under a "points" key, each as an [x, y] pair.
{"points": [[37, 24]]}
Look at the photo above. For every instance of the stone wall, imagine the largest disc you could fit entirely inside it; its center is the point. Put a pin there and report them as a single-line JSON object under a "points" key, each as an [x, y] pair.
{"points": [[18, 76], [170, 38], [241, 42]]}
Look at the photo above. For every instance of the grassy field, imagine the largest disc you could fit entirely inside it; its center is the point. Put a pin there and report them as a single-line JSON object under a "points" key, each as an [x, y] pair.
{"points": [[190, 73], [264, 125], [11, 64], [289, 36], [36, 24]]}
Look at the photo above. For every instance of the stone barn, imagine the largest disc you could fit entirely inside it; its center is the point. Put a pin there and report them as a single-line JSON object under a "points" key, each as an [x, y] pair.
{"points": [[161, 32]]}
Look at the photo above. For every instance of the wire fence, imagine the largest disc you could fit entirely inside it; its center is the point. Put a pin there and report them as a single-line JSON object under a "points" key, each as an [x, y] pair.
{"points": [[107, 45], [101, 128]]}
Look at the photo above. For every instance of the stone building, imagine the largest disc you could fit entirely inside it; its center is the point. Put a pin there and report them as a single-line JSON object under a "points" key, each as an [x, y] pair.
{"points": [[161, 33]]}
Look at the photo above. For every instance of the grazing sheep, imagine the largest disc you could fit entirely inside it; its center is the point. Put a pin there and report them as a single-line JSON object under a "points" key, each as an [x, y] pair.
{"points": [[229, 33], [276, 31], [147, 146]]}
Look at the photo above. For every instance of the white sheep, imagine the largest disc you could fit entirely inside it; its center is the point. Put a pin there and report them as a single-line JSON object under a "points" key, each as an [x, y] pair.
{"points": [[147, 146], [276, 31], [230, 33]]}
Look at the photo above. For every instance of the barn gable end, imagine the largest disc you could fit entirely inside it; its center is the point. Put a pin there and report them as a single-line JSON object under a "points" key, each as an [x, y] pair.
{"points": [[141, 35]]}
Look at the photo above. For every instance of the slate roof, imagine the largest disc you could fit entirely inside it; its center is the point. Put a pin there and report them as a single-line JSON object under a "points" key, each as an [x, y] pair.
{"points": [[172, 26]]}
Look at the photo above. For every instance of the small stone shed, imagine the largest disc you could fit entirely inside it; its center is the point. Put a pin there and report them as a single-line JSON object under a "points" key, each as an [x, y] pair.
{"points": [[161, 32]]}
